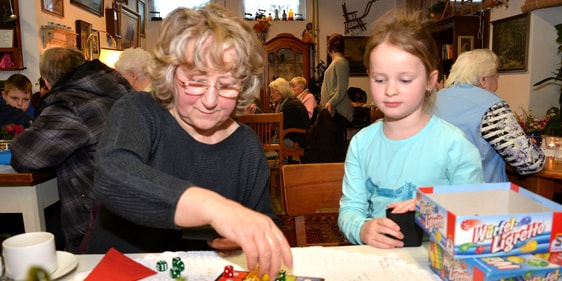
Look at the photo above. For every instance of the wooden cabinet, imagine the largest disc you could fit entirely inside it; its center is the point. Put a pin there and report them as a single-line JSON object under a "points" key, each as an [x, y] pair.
{"points": [[11, 58], [287, 57], [454, 35]]}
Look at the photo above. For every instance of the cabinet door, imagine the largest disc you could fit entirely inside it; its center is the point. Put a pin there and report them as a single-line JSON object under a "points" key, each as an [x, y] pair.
{"points": [[11, 57], [287, 57]]}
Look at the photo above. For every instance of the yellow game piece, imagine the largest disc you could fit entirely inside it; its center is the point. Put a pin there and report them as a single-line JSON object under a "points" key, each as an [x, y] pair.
{"points": [[530, 246], [515, 259]]}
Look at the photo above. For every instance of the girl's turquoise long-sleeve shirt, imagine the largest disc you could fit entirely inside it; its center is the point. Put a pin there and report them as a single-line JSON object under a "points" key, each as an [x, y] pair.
{"points": [[380, 171]]}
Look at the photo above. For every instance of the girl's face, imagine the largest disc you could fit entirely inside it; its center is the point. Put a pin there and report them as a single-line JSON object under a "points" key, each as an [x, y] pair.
{"points": [[398, 81], [207, 102], [17, 98]]}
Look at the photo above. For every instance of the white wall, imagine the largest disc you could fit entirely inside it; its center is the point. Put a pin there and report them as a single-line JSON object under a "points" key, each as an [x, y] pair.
{"points": [[516, 88]]}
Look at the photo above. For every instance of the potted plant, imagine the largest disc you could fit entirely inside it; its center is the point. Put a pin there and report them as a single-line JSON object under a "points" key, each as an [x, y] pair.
{"points": [[554, 125]]}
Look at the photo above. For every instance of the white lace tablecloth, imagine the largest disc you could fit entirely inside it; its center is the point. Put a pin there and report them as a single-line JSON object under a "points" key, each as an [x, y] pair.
{"points": [[329, 263]]}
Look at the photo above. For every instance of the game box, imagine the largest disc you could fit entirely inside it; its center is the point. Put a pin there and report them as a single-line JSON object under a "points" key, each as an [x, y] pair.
{"points": [[486, 220], [530, 267]]}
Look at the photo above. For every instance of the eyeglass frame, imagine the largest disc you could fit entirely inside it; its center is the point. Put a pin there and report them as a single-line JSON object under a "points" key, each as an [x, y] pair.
{"points": [[195, 85]]}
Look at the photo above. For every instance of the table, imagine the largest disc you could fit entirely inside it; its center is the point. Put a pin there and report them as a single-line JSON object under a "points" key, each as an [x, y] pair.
{"points": [[28, 194], [545, 183], [414, 255]]}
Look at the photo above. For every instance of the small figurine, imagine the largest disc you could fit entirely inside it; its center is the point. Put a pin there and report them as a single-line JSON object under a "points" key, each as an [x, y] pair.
{"points": [[307, 35]]}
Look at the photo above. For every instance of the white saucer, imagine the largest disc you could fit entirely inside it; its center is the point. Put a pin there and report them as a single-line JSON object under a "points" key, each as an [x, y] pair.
{"points": [[66, 262]]}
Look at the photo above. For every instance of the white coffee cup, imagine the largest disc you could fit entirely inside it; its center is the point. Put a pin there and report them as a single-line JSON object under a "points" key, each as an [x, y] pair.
{"points": [[23, 251]]}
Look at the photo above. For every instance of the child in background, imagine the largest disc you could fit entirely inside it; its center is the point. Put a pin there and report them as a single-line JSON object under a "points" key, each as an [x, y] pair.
{"points": [[410, 147], [17, 93]]}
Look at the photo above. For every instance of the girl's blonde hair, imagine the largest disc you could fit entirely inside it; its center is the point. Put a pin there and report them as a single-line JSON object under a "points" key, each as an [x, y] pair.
{"points": [[409, 31]]}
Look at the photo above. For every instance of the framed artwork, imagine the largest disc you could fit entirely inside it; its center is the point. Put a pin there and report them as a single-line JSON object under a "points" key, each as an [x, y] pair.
{"points": [[83, 30], [141, 9], [510, 41], [107, 41], [6, 38], [129, 28], [94, 46], [464, 43], [354, 50], [55, 7], [92, 6]]}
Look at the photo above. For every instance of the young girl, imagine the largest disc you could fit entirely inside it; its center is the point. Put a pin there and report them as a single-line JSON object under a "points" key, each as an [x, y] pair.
{"points": [[410, 148]]}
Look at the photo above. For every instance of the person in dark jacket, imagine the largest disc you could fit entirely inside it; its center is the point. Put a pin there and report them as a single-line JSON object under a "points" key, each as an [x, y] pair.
{"points": [[66, 133], [295, 114]]}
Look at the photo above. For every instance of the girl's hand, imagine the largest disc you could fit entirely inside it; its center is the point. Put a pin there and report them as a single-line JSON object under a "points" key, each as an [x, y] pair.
{"points": [[374, 233]]}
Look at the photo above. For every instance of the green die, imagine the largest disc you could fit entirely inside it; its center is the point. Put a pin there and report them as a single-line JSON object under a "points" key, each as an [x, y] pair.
{"points": [[281, 276], [161, 266], [175, 272], [178, 263]]}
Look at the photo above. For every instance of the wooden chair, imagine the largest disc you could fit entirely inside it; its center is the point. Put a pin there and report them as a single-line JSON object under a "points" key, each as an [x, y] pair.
{"points": [[266, 125], [296, 152], [308, 188]]}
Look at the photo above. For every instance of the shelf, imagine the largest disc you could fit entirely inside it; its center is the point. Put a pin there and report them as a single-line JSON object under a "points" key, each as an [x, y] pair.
{"points": [[57, 35]]}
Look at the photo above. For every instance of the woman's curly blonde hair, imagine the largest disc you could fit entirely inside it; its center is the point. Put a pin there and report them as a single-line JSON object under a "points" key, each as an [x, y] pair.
{"points": [[210, 32]]}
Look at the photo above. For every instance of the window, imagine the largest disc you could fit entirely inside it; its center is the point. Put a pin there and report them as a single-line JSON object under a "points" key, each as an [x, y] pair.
{"points": [[254, 7], [166, 6]]}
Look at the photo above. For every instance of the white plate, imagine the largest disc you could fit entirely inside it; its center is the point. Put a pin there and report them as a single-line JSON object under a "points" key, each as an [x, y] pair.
{"points": [[66, 263]]}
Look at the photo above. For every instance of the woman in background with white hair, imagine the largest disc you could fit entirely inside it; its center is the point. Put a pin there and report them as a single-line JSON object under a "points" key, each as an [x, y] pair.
{"points": [[132, 65]]}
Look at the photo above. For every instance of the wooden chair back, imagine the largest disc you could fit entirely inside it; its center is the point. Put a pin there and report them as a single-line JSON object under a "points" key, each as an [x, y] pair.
{"points": [[269, 128], [308, 188]]}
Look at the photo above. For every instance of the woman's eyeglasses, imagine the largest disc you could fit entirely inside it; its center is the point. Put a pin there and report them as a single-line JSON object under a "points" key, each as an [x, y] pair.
{"points": [[198, 88]]}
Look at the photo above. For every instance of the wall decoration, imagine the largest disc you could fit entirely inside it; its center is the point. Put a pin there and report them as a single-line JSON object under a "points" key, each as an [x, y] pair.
{"points": [[93, 48], [92, 6], [55, 7], [129, 28], [83, 30], [464, 44], [6, 38], [510, 41], [141, 9], [354, 50]]}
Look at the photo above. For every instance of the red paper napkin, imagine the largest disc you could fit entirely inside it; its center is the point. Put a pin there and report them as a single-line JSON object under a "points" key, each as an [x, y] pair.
{"points": [[115, 266]]}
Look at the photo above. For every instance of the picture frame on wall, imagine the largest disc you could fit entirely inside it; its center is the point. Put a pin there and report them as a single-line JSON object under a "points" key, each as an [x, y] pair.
{"points": [[464, 44], [55, 7], [141, 10], [93, 6], [83, 30], [510, 42], [94, 43], [6, 38], [129, 28], [354, 50]]}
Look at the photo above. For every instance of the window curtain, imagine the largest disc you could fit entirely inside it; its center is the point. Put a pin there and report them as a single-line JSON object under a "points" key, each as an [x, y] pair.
{"points": [[531, 5]]}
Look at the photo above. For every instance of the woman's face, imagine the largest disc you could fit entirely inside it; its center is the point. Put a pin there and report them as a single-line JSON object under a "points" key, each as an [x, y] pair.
{"points": [[203, 102], [297, 88], [275, 95]]}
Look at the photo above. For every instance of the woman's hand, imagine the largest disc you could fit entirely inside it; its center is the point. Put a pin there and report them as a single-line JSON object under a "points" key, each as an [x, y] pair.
{"points": [[259, 237]]}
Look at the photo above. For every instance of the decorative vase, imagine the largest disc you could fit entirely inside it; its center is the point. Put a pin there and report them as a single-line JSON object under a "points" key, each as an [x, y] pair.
{"points": [[537, 136], [262, 35]]}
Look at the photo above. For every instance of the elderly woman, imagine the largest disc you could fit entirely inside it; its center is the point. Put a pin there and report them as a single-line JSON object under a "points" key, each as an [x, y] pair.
{"points": [[132, 65], [176, 158], [295, 114], [468, 101], [301, 92]]}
